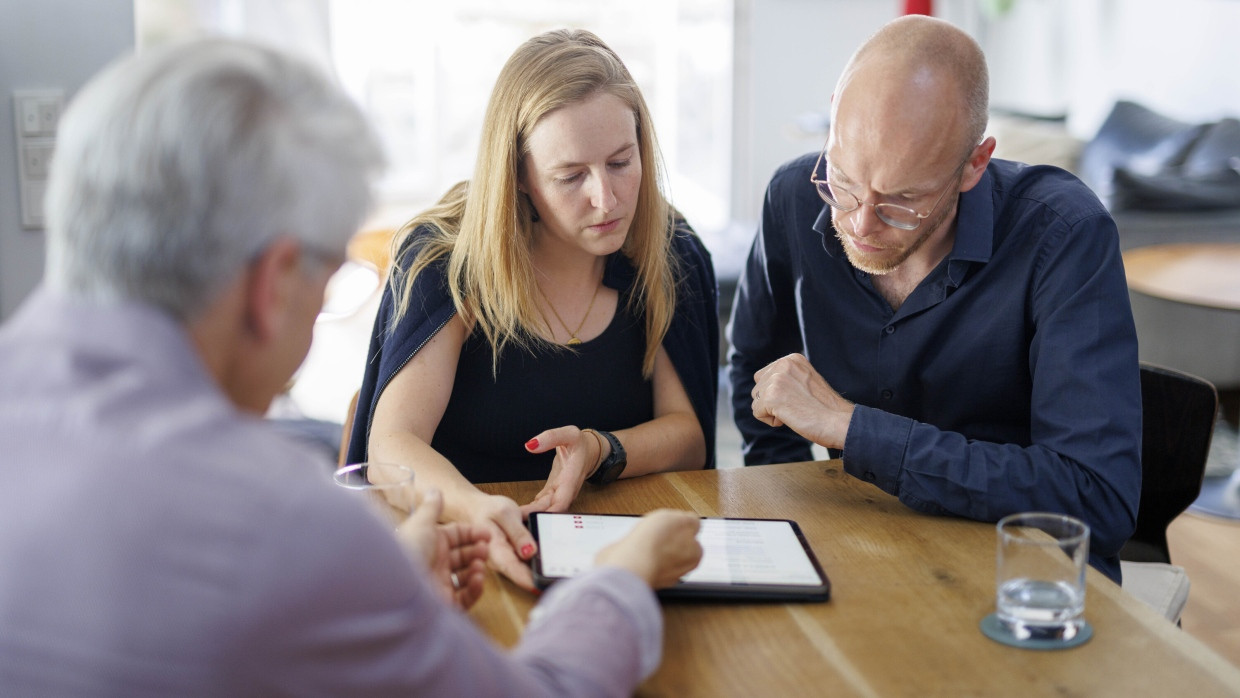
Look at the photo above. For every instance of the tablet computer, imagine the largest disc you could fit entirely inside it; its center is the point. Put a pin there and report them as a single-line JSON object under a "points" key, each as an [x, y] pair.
{"points": [[767, 559]]}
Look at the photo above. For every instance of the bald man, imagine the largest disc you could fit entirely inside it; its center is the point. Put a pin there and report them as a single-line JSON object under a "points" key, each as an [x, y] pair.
{"points": [[957, 326]]}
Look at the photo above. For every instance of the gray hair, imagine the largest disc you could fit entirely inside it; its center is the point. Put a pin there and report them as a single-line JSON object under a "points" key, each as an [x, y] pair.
{"points": [[176, 167]]}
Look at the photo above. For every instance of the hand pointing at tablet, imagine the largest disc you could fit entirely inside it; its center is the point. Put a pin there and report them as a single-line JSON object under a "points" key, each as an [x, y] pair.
{"points": [[661, 549]]}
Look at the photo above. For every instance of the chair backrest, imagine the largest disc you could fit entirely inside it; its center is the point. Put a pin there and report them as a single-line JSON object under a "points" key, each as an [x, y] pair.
{"points": [[347, 429], [372, 247], [1179, 411]]}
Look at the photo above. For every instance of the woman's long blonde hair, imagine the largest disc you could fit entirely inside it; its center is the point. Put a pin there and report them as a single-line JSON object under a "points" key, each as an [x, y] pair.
{"points": [[485, 227]]}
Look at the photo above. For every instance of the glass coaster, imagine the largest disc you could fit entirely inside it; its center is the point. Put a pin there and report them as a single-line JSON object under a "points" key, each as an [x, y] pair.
{"points": [[993, 629]]}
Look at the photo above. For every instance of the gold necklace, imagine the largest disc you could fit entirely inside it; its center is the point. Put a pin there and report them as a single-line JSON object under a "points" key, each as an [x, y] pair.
{"points": [[572, 334]]}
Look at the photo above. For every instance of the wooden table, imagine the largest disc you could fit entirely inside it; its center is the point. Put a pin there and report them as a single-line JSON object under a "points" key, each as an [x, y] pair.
{"points": [[1186, 304], [908, 592], [1204, 274]]}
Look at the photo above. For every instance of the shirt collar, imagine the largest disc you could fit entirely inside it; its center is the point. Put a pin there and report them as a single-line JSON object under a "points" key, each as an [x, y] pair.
{"points": [[139, 332], [975, 231], [823, 226]]}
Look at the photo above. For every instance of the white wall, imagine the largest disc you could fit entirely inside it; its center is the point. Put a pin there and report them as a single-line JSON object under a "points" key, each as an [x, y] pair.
{"points": [[1181, 59], [1051, 58], [1075, 58], [45, 44], [792, 53]]}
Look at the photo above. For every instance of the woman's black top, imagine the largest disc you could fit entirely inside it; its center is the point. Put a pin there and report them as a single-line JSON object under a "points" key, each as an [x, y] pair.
{"points": [[488, 419]]}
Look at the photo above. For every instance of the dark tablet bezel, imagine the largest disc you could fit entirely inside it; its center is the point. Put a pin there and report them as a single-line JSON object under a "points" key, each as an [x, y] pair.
{"points": [[713, 591]]}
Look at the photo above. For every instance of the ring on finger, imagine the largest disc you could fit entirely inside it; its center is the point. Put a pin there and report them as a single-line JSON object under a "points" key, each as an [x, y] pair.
{"points": [[456, 582]]}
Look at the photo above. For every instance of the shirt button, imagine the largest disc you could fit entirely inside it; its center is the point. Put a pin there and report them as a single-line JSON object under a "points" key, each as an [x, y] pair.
{"points": [[889, 329], [886, 394], [870, 477]]}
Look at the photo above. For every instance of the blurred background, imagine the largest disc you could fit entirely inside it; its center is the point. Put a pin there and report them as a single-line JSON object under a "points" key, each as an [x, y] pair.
{"points": [[736, 87]]}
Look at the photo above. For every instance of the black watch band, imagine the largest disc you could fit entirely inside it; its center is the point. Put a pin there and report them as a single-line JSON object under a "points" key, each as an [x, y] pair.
{"points": [[611, 467]]}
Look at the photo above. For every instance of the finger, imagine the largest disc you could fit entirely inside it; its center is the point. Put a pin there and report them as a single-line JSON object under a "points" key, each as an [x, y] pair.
{"points": [[460, 557], [769, 419], [476, 568], [781, 364], [762, 414], [540, 500], [464, 573], [471, 583], [561, 499], [460, 533], [504, 561], [519, 537], [540, 503], [549, 439]]}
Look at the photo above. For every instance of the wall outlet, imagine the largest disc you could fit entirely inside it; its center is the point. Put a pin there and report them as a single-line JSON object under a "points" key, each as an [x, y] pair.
{"points": [[37, 116], [37, 157]]}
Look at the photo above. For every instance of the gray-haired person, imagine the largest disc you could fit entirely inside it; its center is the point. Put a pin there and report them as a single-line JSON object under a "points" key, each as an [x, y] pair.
{"points": [[156, 537]]}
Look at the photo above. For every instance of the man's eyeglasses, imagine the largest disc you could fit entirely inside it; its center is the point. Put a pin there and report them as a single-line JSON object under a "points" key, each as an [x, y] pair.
{"points": [[893, 215]]}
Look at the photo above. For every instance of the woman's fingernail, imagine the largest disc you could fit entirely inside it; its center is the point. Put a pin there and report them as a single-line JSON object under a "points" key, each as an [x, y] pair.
{"points": [[527, 550], [531, 444]]}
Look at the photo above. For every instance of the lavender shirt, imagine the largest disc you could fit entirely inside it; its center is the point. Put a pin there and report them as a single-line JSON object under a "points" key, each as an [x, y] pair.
{"points": [[156, 541]]}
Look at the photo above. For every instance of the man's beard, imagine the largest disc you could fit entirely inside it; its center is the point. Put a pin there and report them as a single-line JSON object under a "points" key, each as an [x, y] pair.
{"points": [[878, 267]]}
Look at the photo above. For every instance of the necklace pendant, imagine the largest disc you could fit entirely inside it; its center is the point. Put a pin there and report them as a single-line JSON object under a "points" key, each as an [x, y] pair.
{"points": [[573, 341]]}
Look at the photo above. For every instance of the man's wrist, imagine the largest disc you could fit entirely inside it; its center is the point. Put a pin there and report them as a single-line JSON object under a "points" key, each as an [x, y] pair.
{"points": [[837, 426]]}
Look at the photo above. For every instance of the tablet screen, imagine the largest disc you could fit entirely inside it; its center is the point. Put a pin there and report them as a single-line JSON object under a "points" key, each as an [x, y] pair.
{"points": [[740, 557]]}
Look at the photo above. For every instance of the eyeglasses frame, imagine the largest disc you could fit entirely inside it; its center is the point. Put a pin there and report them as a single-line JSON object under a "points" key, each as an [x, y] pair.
{"points": [[820, 183]]}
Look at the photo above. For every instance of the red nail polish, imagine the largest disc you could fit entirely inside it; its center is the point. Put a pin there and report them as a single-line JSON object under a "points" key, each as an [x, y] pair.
{"points": [[531, 444], [527, 550]]}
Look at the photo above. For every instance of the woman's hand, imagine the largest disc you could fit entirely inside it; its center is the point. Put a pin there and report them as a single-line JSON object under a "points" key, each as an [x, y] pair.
{"points": [[577, 452], [661, 549], [510, 541], [454, 553]]}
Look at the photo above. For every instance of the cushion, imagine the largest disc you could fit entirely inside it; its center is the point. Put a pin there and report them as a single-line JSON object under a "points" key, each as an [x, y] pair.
{"points": [[1143, 160], [1161, 586]]}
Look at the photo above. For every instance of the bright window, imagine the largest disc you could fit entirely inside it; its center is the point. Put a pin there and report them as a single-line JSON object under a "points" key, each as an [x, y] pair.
{"points": [[424, 69]]}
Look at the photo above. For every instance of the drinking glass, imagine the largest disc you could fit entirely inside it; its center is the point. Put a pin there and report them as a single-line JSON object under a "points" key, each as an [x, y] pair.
{"points": [[386, 487], [1041, 576]]}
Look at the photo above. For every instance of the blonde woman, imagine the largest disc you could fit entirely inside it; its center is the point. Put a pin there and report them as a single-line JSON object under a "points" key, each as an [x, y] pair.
{"points": [[552, 318]]}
